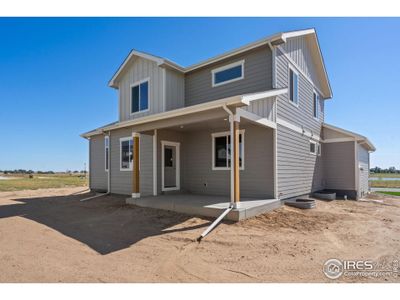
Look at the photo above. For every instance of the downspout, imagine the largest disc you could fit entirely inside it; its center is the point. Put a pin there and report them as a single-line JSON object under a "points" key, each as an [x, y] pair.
{"points": [[231, 117], [109, 164], [231, 205]]}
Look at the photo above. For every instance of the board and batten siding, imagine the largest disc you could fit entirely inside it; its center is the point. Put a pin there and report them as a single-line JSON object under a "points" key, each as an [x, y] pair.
{"points": [[257, 78], [299, 50], [140, 69], [121, 181], [363, 169], [301, 115], [98, 175], [175, 89], [339, 166], [299, 171]]}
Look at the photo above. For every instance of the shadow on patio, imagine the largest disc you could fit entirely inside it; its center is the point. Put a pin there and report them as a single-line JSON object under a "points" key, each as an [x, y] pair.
{"points": [[105, 224]]}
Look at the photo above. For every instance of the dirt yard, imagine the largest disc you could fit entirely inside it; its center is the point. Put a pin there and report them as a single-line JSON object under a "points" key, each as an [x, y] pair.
{"points": [[50, 236]]}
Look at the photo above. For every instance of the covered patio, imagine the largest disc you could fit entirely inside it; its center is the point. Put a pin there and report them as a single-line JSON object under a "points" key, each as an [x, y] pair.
{"points": [[205, 158]]}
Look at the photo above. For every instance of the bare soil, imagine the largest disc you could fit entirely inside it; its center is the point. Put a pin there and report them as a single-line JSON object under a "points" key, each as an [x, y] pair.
{"points": [[50, 236]]}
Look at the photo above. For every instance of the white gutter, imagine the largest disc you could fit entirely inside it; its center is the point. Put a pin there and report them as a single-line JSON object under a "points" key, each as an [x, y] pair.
{"points": [[109, 164]]}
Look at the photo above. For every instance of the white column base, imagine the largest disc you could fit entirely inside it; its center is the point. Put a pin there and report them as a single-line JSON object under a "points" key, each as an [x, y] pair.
{"points": [[236, 205], [135, 195]]}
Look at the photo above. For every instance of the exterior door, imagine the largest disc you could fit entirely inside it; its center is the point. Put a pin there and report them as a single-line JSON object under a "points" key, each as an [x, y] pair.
{"points": [[170, 166]]}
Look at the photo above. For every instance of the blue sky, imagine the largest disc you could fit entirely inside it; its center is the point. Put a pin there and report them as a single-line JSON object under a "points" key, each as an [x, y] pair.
{"points": [[54, 74]]}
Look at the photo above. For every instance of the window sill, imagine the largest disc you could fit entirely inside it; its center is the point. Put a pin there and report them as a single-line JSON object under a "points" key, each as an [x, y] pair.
{"points": [[140, 112], [294, 103], [225, 169]]}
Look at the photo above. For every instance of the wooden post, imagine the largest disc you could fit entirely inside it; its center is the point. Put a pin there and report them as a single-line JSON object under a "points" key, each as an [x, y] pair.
{"points": [[236, 162], [135, 167]]}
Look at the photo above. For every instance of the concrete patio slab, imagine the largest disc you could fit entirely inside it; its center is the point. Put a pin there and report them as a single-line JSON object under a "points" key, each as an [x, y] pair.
{"points": [[205, 205]]}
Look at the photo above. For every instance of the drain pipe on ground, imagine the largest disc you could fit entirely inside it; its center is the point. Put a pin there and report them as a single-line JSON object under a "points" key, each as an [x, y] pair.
{"points": [[231, 205], [108, 171]]}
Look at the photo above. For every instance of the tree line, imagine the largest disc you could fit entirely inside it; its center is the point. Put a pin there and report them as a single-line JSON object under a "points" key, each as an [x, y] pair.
{"points": [[391, 170], [23, 171]]}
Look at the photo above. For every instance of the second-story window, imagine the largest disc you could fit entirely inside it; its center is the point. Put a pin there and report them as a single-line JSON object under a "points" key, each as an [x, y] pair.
{"points": [[293, 86], [140, 97], [228, 73], [315, 105]]}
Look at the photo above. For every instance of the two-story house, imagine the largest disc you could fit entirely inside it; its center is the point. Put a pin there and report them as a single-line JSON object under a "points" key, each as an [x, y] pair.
{"points": [[248, 123]]}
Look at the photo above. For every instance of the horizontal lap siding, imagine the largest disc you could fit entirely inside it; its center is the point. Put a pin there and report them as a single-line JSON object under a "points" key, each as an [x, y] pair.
{"points": [[257, 78], [299, 171], [339, 165], [256, 180], [138, 70], [98, 175], [121, 181]]}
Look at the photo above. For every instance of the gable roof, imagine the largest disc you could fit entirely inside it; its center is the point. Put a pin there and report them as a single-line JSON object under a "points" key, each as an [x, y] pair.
{"points": [[360, 138], [272, 40]]}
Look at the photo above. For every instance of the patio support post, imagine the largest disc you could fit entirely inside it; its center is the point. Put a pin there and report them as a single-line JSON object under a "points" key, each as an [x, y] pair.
{"points": [[235, 161], [135, 166]]}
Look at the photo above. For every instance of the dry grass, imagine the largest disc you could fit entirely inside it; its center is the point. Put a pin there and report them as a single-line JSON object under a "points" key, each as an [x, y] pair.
{"points": [[41, 181], [385, 183]]}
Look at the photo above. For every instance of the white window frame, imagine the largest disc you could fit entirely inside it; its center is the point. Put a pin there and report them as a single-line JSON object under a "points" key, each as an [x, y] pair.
{"points": [[293, 69], [106, 147], [123, 139], [220, 134], [148, 96], [226, 67], [317, 109], [316, 146]]}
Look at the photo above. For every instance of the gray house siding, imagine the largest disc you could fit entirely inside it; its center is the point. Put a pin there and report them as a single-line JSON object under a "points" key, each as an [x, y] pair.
{"points": [[121, 181], [299, 171], [175, 89], [256, 180], [339, 168], [138, 70], [303, 114], [97, 173], [363, 169], [257, 78], [298, 49]]}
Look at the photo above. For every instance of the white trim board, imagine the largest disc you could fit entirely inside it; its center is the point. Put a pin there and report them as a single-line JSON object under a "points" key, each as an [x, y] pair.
{"points": [[225, 134], [155, 163], [338, 140], [178, 166], [255, 118], [226, 67], [298, 129]]}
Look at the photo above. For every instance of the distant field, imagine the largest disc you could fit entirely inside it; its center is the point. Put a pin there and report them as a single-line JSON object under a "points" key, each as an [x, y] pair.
{"points": [[384, 175], [391, 193], [18, 182], [385, 184]]}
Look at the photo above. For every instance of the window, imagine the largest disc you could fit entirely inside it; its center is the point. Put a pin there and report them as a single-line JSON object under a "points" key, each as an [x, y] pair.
{"points": [[293, 86], [140, 97], [315, 148], [316, 105], [228, 73], [126, 153], [221, 150], [106, 150]]}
